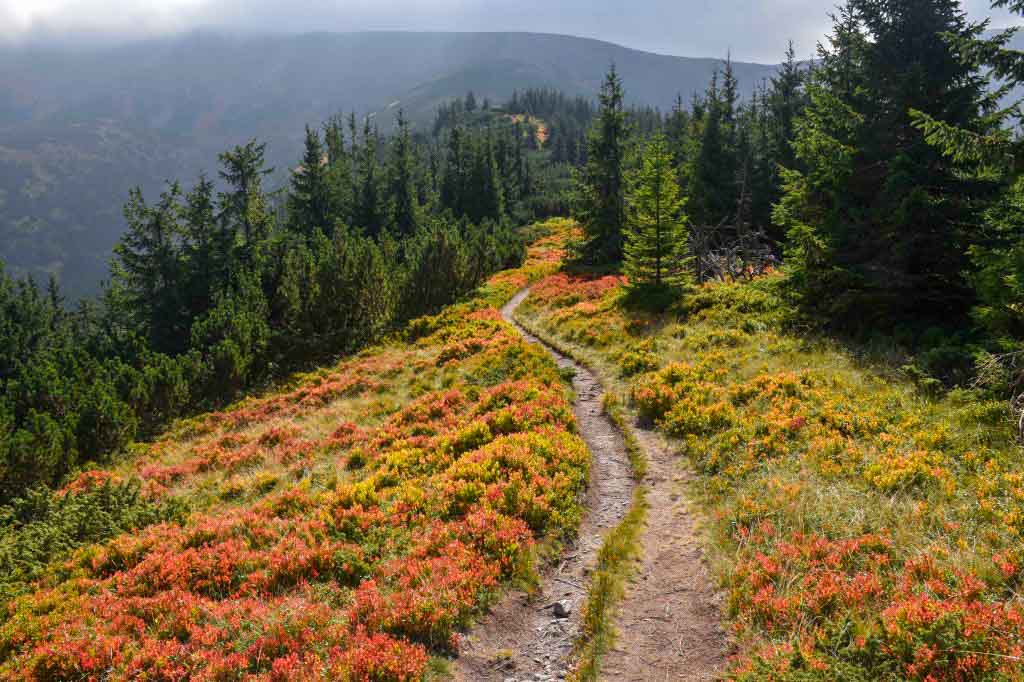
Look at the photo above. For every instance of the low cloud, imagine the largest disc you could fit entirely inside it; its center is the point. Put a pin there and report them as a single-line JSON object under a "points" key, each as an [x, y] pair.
{"points": [[755, 30]]}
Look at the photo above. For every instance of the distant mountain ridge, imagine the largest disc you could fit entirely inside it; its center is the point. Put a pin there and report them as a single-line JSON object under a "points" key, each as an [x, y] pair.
{"points": [[199, 82], [79, 127]]}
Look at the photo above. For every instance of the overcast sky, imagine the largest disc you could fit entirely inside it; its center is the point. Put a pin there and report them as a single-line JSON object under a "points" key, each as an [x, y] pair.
{"points": [[754, 30]]}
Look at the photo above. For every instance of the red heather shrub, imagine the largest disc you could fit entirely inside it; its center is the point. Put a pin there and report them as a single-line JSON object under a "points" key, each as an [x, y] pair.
{"points": [[426, 599], [378, 658], [355, 580], [942, 626], [347, 435], [278, 435], [523, 405], [932, 623], [800, 579], [352, 378], [460, 350], [796, 423], [90, 480], [167, 474], [562, 290], [499, 538], [653, 397], [512, 281]]}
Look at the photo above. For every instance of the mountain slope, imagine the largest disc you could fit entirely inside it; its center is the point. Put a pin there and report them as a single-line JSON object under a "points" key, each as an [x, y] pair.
{"points": [[861, 527], [344, 528], [216, 84], [78, 128]]}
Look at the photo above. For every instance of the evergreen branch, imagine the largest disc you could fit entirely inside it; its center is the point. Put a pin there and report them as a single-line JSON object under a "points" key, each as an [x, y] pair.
{"points": [[993, 153]]}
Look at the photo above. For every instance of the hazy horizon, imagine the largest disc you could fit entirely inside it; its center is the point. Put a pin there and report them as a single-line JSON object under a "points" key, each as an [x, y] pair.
{"points": [[749, 31], [92, 42]]}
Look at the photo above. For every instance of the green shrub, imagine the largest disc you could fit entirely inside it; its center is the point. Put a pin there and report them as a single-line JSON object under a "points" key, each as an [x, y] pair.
{"points": [[41, 526]]}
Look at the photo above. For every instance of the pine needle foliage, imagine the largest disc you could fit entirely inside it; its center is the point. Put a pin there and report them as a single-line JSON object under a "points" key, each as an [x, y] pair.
{"points": [[600, 184], [656, 225]]}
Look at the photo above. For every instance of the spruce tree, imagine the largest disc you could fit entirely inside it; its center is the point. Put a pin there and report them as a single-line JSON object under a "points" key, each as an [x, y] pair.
{"points": [[712, 173], [486, 199], [991, 154], [879, 220], [369, 215], [147, 268], [786, 101], [404, 208], [243, 208], [309, 202], [762, 161], [455, 178], [656, 233], [677, 130], [600, 185], [730, 97], [354, 170], [334, 139], [339, 172], [207, 246]]}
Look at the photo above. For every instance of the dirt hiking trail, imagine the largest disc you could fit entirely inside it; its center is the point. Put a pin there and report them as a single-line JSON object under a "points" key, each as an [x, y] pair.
{"points": [[669, 620], [669, 623]]}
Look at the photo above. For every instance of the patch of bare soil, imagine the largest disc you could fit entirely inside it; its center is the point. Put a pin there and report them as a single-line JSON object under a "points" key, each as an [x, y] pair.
{"points": [[531, 637], [669, 623]]}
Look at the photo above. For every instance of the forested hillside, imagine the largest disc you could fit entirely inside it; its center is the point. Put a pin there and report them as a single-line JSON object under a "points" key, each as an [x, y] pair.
{"points": [[465, 399], [79, 127], [213, 292]]}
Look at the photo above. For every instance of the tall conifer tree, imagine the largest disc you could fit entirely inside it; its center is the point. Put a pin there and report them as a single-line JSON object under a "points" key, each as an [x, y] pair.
{"points": [[368, 214], [309, 202], [147, 268], [656, 235], [243, 208], [600, 185], [404, 208], [879, 220]]}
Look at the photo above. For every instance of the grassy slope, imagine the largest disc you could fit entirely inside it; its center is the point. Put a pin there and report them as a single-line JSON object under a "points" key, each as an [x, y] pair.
{"points": [[861, 530], [345, 527]]}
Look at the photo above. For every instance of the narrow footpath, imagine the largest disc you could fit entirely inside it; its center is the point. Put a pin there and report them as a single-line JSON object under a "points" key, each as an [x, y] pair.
{"points": [[528, 638], [669, 621]]}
